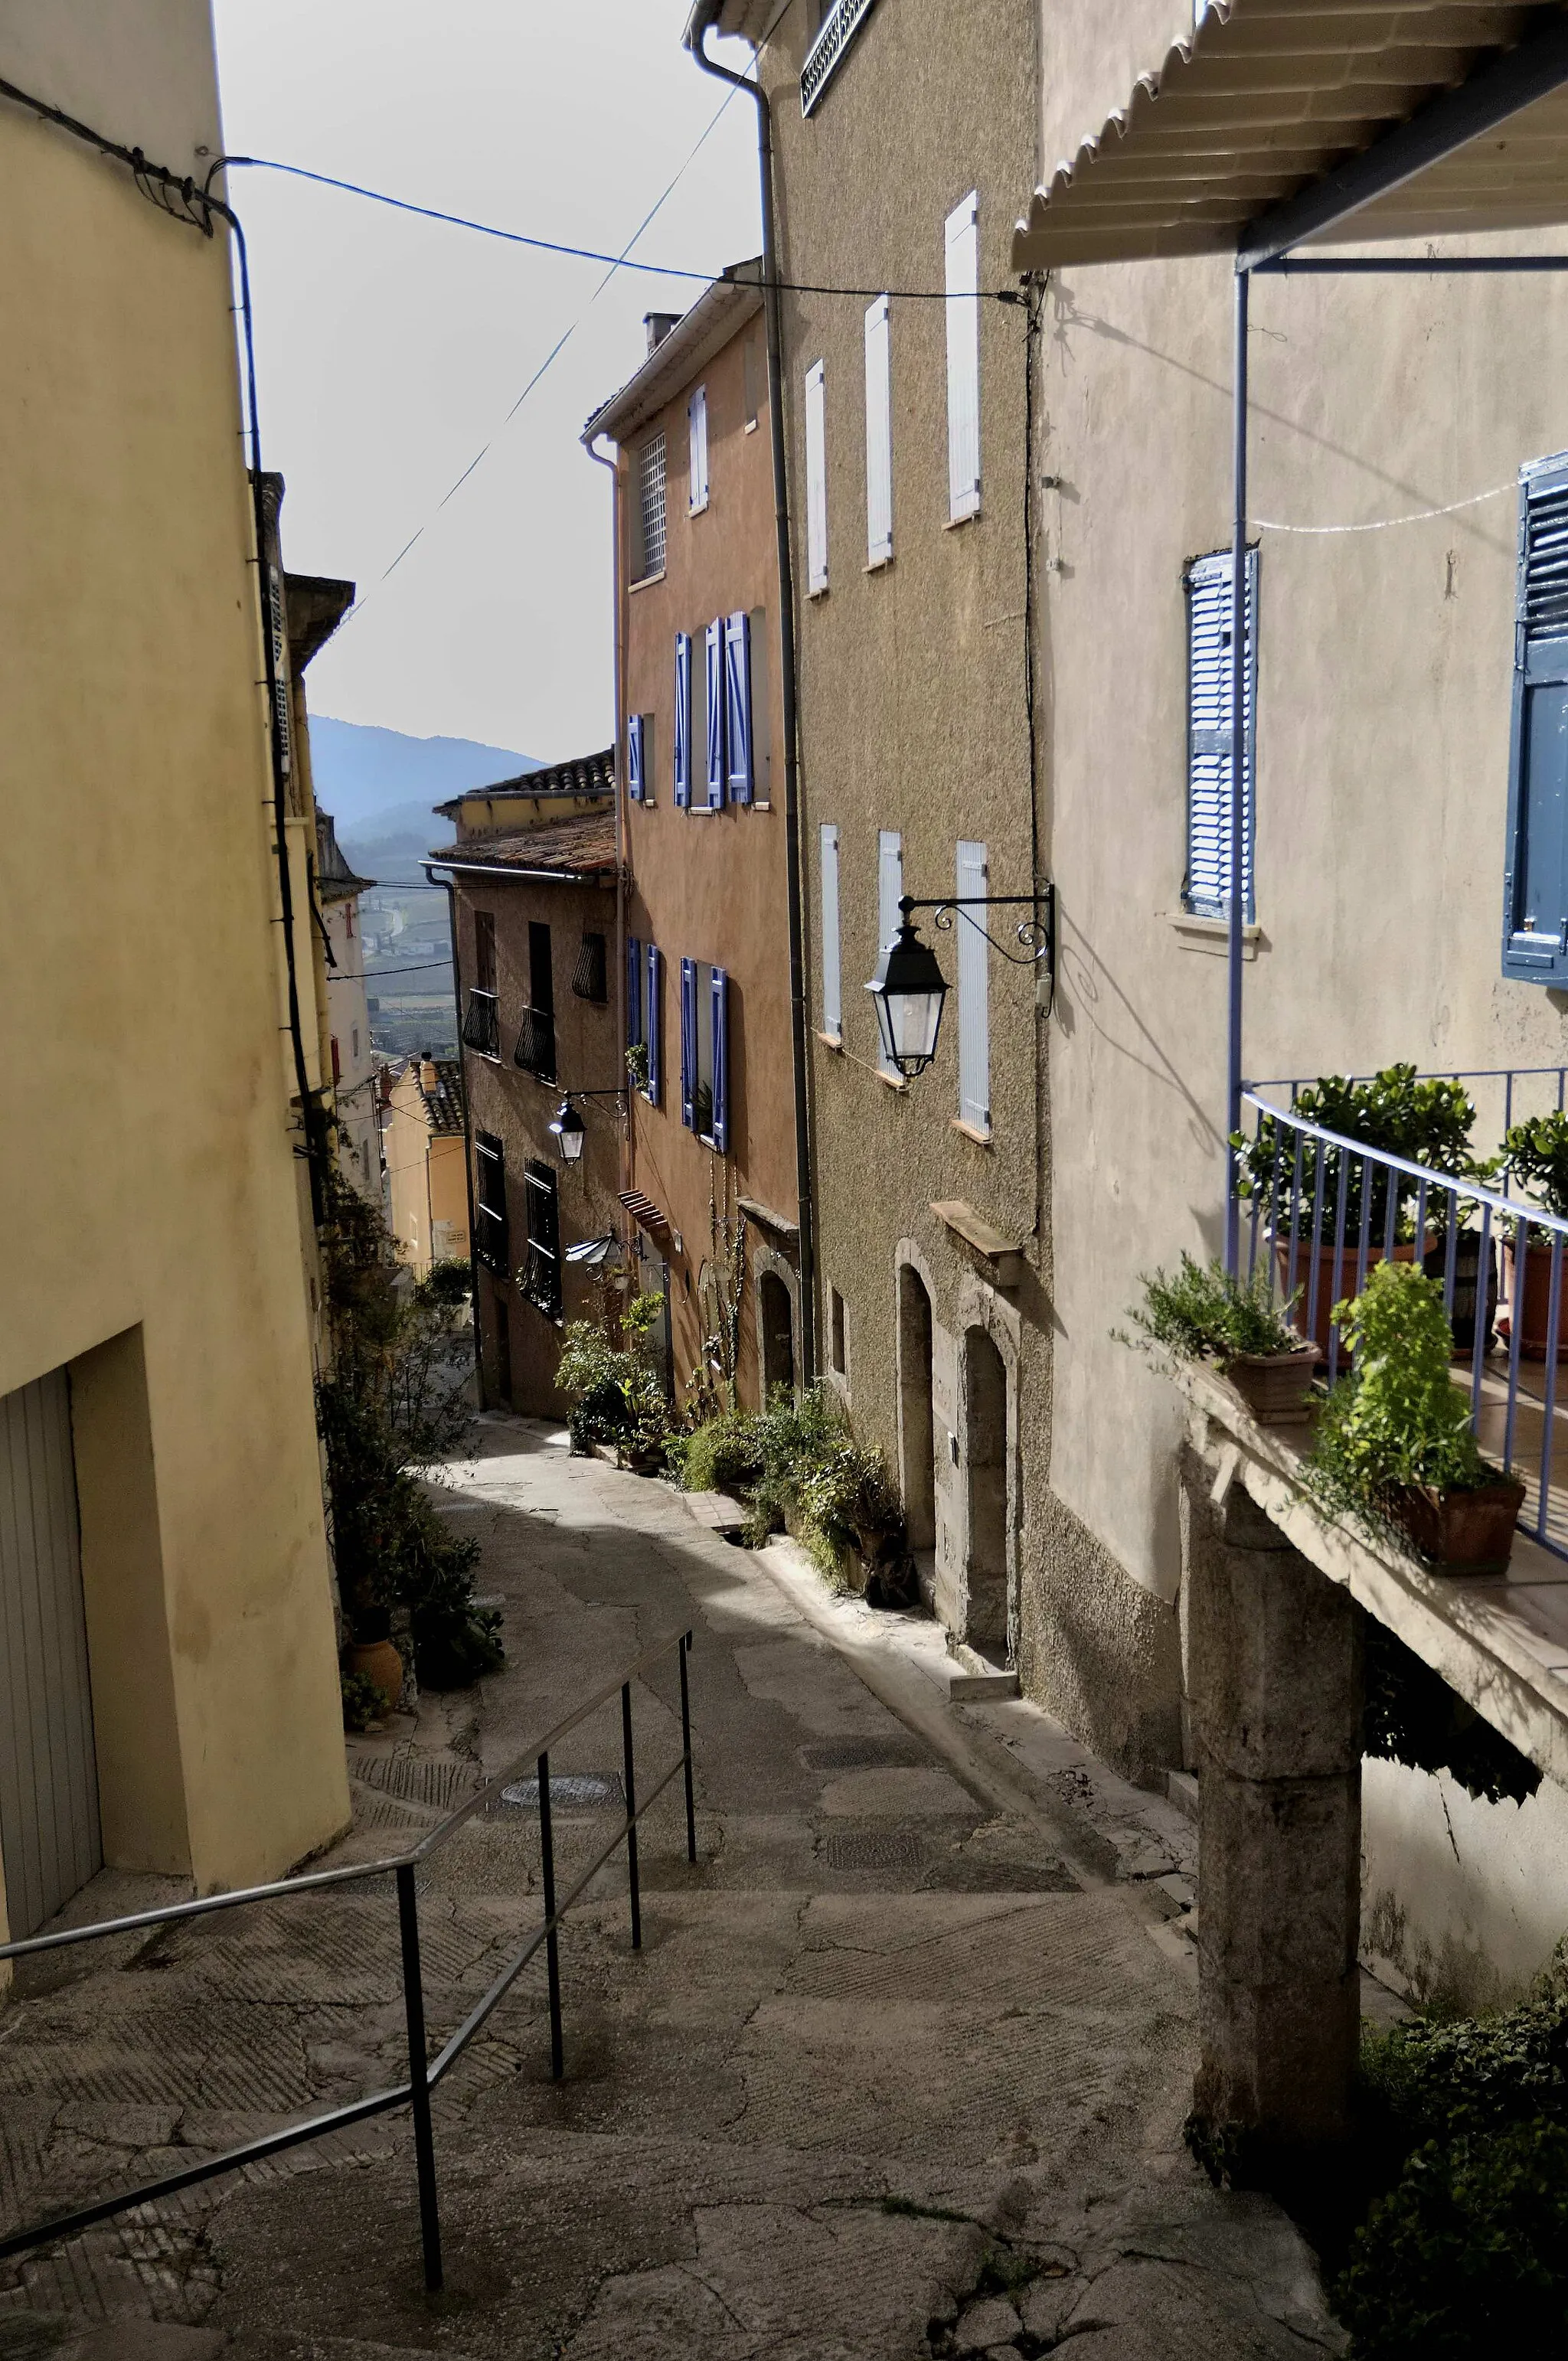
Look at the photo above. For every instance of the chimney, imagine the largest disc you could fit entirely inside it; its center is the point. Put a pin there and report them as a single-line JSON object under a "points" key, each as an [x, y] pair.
{"points": [[428, 1077], [658, 325]]}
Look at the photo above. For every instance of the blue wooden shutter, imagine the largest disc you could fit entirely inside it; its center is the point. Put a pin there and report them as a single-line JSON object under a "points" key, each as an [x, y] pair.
{"points": [[1535, 881], [1207, 888], [738, 707], [974, 1011], [682, 717], [634, 756], [689, 1043], [714, 680], [718, 985], [655, 1023], [633, 991]]}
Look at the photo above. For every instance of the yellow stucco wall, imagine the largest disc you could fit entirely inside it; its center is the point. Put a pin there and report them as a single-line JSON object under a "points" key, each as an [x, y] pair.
{"points": [[150, 1190], [426, 1178]]}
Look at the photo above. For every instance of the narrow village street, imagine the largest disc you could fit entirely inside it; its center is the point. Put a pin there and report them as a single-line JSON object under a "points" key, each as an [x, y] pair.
{"points": [[900, 2069]]}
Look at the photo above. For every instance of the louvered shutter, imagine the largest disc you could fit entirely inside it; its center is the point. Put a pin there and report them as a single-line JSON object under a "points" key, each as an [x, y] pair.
{"points": [[890, 890], [719, 987], [689, 1043], [879, 435], [634, 773], [713, 678], [1209, 736], [974, 984], [696, 422], [963, 358], [655, 1021], [828, 950], [738, 707], [633, 991], [815, 480], [1535, 886], [277, 625], [682, 717]]}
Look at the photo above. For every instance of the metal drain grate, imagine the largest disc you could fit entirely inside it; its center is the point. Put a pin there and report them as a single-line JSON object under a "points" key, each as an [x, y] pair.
{"points": [[421, 1780], [866, 1754], [570, 1791], [874, 1849]]}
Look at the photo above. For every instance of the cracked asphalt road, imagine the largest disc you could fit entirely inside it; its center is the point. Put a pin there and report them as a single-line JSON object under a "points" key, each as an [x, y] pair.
{"points": [[899, 2071]]}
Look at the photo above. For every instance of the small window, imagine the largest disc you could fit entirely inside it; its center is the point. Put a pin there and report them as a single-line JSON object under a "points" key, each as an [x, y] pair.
{"points": [[712, 737], [485, 951], [696, 425], [535, 1052], [828, 950], [540, 976], [761, 734], [541, 1275], [356, 1039], [682, 739], [837, 1352], [590, 976], [705, 1053], [650, 519], [816, 481], [963, 359], [490, 1245], [1209, 741], [634, 993], [879, 434], [640, 772]]}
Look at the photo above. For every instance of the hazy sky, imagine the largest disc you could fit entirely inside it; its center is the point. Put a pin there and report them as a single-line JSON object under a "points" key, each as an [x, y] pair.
{"points": [[391, 350]]}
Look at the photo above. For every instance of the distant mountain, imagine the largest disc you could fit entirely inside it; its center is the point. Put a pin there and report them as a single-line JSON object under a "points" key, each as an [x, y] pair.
{"points": [[391, 844], [367, 778]]}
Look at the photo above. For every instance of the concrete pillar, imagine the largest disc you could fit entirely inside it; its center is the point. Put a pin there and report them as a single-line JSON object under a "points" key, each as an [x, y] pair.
{"points": [[1275, 1672]]}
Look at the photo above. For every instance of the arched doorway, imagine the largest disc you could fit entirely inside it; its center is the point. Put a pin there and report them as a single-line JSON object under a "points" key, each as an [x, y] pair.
{"points": [[777, 1325], [916, 1430], [986, 1457]]}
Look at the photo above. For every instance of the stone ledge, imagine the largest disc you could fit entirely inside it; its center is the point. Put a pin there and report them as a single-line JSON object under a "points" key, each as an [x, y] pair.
{"points": [[1499, 1640], [1004, 1255]]}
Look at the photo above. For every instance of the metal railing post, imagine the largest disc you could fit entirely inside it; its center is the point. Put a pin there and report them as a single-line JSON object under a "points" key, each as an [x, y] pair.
{"points": [[552, 1947], [687, 1747], [419, 2085], [631, 1776]]}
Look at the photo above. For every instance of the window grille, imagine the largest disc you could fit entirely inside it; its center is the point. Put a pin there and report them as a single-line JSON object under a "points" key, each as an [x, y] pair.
{"points": [[651, 505], [589, 978]]}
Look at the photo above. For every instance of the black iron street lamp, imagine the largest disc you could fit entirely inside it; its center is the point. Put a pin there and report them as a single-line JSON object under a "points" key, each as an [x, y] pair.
{"points": [[909, 988], [568, 1127]]}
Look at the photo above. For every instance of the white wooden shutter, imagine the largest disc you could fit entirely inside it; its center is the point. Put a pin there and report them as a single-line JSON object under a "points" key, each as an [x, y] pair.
{"points": [[890, 891], [1208, 735], [827, 951], [696, 422], [815, 480], [963, 359], [974, 985], [879, 435]]}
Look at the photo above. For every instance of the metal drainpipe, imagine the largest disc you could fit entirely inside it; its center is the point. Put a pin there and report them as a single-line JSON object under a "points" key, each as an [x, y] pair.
{"points": [[696, 33], [1237, 912], [603, 460]]}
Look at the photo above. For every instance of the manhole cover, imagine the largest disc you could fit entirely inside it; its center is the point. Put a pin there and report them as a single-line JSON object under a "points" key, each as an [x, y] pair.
{"points": [[570, 1791], [874, 1849], [865, 1754]]}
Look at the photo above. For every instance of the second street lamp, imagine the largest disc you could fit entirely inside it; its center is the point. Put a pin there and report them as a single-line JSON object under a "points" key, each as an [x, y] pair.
{"points": [[570, 1132], [909, 988]]}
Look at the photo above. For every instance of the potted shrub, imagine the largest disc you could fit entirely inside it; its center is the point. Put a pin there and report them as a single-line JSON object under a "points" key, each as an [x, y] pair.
{"points": [[1203, 1314], [1426, 1122], [1537, 1155], [1394, 1442]]}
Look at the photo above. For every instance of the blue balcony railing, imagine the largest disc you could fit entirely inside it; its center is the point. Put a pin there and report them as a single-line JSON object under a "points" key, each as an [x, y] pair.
{"points": [[1318, 1209]]}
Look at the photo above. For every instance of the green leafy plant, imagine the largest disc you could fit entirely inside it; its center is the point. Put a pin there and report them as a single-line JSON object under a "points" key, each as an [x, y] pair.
{"points": [[1396, 1419], [637, 1064], [364, 1707], [1428, 1122], [723, 1454], [1203, 1312], [611, 1377], [1537, 1153]]}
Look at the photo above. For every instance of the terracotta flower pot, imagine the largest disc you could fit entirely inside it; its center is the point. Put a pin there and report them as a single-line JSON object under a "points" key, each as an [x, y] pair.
{"points": [[1275, 1386], [1460, 1532], [1535, 1310], [378, 1661]]}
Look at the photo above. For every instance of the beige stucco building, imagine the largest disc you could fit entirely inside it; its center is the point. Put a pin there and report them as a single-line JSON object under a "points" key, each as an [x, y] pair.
{"points": [[176, 1709], [423, 1155]]}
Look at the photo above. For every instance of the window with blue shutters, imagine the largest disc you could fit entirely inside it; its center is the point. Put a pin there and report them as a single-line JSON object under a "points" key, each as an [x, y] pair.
{"points": [[1535, 880], [713, 680], [1209, 741], [689, 1043], [739, 775], [634, 993], [682, 717], [654, 1024], [636, 774]]}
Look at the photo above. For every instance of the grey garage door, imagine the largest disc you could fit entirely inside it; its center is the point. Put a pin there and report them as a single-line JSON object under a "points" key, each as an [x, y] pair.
{"points": [[49, 1839]]}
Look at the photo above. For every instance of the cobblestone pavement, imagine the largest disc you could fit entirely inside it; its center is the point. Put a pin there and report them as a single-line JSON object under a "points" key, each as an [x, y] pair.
{"points": [[899, 2070]]}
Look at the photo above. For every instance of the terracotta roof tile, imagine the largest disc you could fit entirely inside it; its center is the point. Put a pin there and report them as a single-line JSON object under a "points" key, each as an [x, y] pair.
{"points": [[582, 845]]}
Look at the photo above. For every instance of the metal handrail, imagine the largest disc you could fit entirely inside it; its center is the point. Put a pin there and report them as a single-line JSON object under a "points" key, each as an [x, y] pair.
{"points": [[424, 2073]]}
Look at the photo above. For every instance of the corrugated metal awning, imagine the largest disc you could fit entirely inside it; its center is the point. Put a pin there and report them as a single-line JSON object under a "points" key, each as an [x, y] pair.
{"points": [[1269, 99]]}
